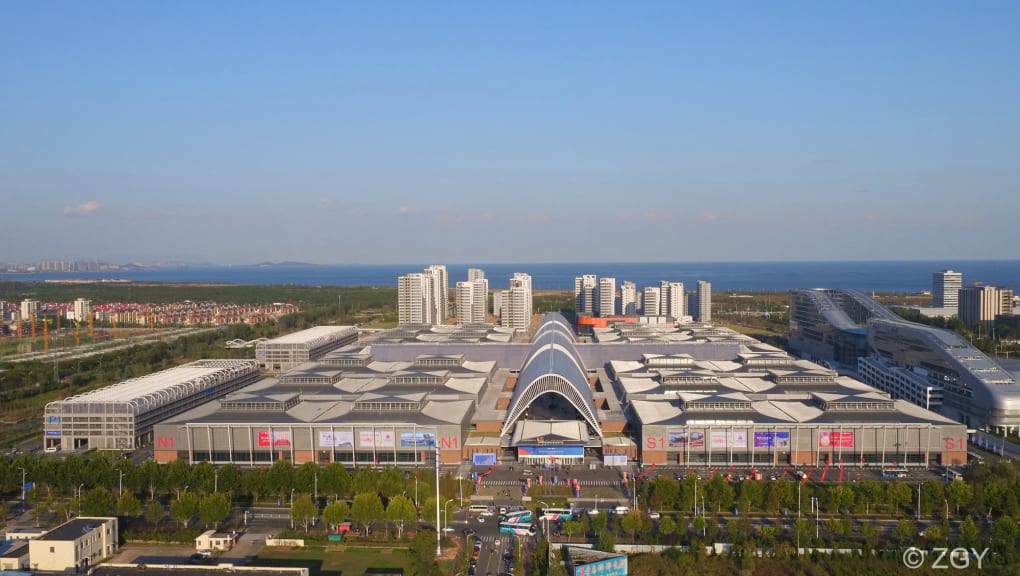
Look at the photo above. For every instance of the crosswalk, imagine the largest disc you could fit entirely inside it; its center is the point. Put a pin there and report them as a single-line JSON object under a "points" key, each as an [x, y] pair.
{"points": [[517, 483], [501, 483], [599, 483]]}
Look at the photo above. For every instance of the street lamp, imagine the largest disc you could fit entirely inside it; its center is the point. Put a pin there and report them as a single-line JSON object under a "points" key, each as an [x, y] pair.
{"points": [[24, 479], [80, 486], [546, 518], [947, 508], [216, 481], [446, 515], [120, 483]]}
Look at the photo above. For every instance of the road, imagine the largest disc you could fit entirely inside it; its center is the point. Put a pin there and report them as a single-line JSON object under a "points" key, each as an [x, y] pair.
{"points": [[85, 351]]}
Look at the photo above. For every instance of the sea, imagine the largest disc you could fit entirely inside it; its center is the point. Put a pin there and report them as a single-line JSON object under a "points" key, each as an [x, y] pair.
{"points": [[878, 276]]}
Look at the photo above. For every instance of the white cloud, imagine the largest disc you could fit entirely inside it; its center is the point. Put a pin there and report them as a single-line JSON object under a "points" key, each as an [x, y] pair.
{"points": [[83, 209]]}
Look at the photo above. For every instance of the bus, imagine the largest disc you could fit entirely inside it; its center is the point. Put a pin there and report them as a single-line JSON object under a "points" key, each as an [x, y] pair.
{"points": [[524, 529], [516, 517], [555, 514], [480, 509], [894, 473]]}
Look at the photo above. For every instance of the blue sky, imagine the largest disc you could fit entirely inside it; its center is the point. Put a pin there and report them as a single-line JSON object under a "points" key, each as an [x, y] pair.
{"points": [[342, 132]]}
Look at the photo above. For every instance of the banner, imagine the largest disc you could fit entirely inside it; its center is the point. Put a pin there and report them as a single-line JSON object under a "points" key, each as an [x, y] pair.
{"points": [[678, 439], [771, 439], [737, 439], [336, 439], [835, 439], [277, 439], [384, 438], [366, 439], [417, 440], [718, 438]]}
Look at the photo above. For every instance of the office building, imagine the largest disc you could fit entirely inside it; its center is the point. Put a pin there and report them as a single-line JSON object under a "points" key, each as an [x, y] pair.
{"points": [[652, 301], [945, 286], [285, 352], [584, 294], [979, 305], [517, 303], [628, 299], [3, 310], [607, 296], [704, 301]]}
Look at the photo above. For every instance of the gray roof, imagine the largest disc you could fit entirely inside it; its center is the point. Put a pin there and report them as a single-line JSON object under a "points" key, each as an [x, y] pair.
{"points": [[553, 366], [74, 529]]}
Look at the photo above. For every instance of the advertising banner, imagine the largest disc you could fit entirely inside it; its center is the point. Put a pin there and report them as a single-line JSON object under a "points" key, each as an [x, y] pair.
{"points": [[417, 440], [53, 432], [561, 451], [835, 439], [366, 439], [384, 438], [277, 439], [486, 459], [679, 439], [336, 439], [738, 439], [718, 438], [772, 440], [607, 567]]}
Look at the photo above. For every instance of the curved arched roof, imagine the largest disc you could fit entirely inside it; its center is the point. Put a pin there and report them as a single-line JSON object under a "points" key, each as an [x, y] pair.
{"points": [[553, 366]]}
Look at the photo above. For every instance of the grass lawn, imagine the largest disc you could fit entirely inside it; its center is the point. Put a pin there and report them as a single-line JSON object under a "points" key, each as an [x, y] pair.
{"points": [[351, 562]]}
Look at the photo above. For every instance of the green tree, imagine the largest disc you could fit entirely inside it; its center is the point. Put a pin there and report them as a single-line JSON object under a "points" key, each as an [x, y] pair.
{"points": [[367, 510], [335, 480], [896, 495], [202, 477], [969, 535], [667, 526], [214, 508], [959, 493], [571, 527], [365, 480], [423, 551], [305, 477], [303, 510], [803, 532], [1004, 533], [183, 509], [154, 513], [255, 482], [607, 543], [401, 512], [631, 522], [700, 526], [904, 532], [229, 479], [335, 513], [128, 505], [97, 502], [391, 482], [280, 479], [599, 523]]}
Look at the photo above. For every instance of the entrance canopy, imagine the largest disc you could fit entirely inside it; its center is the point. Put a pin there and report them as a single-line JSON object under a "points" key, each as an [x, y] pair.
{"points": [[553, 367]]}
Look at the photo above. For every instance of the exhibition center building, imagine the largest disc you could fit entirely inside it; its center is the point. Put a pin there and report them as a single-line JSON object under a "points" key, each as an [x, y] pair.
{"points": [[688, 394]]}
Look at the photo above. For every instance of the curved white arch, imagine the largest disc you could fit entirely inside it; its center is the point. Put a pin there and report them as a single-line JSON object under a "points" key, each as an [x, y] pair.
{"points": [[550, 384]]}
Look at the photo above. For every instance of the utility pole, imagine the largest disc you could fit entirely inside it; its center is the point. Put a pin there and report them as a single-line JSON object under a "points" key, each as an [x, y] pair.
{"points": [[439, 535]]}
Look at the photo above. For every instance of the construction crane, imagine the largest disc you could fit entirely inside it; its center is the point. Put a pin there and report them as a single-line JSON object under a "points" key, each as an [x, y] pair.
{"points": [[77, 332], [46, 335]]}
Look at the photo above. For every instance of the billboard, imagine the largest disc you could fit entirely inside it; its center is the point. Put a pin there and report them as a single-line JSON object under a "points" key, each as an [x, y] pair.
{"points": [[277, 439], [718, 438], [615, 459], [53, 432], [835, 439], [483, 459], [772, 440], [336, 439], [607, 567], [561, 451], [417, 440], [678, 439]]}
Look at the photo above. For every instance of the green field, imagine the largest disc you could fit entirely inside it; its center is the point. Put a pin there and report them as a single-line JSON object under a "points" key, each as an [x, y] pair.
{"points": [[350, 562]]}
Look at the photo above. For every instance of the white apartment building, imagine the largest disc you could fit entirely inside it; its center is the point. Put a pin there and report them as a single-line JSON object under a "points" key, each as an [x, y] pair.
{"points": [[584, 294], [672, 300], [471, 301], [440, 292], [653, 299], [979, 305], [75, 545], [414, 294], [945, 288], [517, 303], [628, 299], [607, 296], [29, 308], [82, 310], [704, 301]]}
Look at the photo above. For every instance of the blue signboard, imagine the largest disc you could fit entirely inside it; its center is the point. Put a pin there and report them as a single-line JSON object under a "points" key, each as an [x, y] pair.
{"points": [[53, 420], [560, 451], [53, 432], [484, 459], [607, 567]]}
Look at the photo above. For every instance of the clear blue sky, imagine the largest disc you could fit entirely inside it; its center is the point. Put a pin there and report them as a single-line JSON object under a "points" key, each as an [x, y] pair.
{"points": [[339, 132]]}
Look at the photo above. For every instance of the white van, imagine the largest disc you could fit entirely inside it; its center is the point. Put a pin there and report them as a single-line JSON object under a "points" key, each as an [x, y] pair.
{"points": [[621, 510]]}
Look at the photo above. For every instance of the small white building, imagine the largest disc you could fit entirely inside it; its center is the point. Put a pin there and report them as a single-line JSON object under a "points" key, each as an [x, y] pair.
{"points": [[213, 540], [74, 545]]}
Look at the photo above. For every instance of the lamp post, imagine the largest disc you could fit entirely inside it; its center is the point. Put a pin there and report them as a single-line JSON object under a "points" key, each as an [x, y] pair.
{"points": [[316, 489], [546, 518], [80, 486], [446, 515], [814, 504], [416, 490], [439, 535], [947, 508], [292, 508], [798, 499], [216, 481], [24, 480], [704, 526]]}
